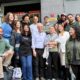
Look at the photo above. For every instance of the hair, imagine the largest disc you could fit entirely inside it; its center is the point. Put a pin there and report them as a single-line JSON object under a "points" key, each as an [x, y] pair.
{"points": [[35, 16], [69, 15], [61, 24], [23, 32], [76, 16], [7, 17], [25, 16], [77, 32], [15, 22], [46, 17]]}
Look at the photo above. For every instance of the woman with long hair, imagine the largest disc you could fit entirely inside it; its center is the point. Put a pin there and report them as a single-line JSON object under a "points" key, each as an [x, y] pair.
{"points": [[15, 41], [26, 53], [7, 26], [73, 51]]}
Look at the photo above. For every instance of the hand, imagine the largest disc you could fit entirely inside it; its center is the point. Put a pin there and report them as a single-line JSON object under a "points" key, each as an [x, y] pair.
{"points": [[34, 53]]}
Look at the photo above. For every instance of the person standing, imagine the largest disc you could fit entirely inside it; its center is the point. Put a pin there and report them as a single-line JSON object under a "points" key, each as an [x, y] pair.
{"points": [[61, 40], [53, 59], [70, 22], [33, 27], [26, 19], [7, 26], [73, 51], [25, 53], [15, 42], [38, 49], [47, 24]]}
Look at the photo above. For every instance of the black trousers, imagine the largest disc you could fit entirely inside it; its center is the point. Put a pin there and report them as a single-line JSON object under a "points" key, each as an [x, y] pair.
{"points": [[76, 71], [52, 70], [38, 64]]}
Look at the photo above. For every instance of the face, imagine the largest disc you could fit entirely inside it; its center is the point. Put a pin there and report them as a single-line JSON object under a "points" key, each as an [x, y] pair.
{"points": [[72, 31], [15, 17], [46, 20], [26, 28], [60, 28], [70, 18], [26, 19], [18, 24], [11, 17], [35, 19], [63, 18], [78, 18], [56, 26], [52, 30], [40, 27]]}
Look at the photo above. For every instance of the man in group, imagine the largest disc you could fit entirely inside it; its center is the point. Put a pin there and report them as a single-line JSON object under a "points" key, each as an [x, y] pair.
{"points": [[6, 53]]}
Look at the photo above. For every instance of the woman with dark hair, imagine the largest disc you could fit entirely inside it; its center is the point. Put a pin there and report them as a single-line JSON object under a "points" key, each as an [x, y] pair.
{"points": [[73, 51], [15, 42], [77, 18], [26, 53], [7, 26]]}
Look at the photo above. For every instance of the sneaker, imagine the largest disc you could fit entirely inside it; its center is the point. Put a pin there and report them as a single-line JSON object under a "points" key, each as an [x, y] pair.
{"points": [[37, 78], [53, 79], [42, 78]]}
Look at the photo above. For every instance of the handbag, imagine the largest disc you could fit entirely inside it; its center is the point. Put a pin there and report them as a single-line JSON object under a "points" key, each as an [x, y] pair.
{"points": [[46, 53], [17, 73]]}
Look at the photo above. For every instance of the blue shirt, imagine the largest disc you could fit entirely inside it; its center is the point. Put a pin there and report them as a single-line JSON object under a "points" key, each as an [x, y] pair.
{"points": [[7, 30]]}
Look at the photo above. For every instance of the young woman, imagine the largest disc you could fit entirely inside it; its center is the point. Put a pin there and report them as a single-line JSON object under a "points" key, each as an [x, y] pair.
{"points": [[53, 59], [61, 40], [26, 53], [73, 51], [7, 26], [15, 41], [77, 18]]}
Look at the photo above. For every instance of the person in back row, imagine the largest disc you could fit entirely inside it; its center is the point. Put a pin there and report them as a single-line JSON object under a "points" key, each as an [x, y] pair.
{"points": [[25, 53], [33, 27], [7, 26]]}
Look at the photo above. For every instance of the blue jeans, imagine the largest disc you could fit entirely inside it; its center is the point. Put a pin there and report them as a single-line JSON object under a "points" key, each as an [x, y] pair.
{"points": [[26, 62]]}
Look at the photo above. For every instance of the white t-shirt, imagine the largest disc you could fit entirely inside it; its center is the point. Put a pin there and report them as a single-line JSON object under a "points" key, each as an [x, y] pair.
{"points": [[62, 39]]}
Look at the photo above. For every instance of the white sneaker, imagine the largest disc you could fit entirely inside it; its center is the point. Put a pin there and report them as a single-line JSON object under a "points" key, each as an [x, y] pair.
{"points": [[53, 79]]}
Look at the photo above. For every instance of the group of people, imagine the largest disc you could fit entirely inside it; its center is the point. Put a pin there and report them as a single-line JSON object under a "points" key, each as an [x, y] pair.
{"points": [[42, 50]]}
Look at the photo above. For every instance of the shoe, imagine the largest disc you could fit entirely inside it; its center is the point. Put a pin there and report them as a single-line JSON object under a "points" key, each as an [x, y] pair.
{"points": [[53, 79], [37, 78], [42, 78]]}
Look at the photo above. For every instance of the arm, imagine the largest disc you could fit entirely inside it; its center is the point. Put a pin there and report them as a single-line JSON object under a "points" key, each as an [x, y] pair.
{"points": [[8, 46], [33, 46]]}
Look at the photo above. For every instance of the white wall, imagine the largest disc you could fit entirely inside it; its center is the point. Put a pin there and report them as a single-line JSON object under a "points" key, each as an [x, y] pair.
{"points": [[49, 7], [72, 6]]}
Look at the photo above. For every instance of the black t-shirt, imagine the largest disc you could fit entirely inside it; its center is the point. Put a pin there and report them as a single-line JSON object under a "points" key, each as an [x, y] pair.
{"points": [[25, 45]]}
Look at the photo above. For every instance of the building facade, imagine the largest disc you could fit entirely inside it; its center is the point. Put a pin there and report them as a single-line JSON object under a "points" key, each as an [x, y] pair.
{"points": [[49, 8]]}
